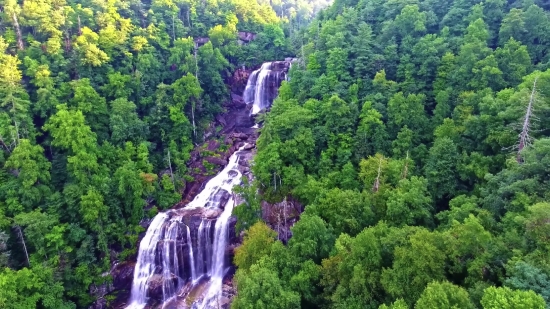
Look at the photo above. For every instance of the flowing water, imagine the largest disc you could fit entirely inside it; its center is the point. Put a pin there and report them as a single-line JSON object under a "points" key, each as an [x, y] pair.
{"points": [[177, 258], [261, 88], [162, 260]]}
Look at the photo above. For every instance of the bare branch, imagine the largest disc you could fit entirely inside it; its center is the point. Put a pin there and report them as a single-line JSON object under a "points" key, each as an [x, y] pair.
{"points": [[406, 168], [524, 138], [376, 185]]}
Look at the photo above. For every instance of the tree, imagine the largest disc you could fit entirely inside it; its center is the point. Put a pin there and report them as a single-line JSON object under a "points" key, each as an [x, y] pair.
{"points": [[398, 304], [525, 277], [70, 133], [261, 288], [441, 168], [371, 135], [256, 244], [444, 295], [249, 212], [14, 105], [125, 123], [473, 50], [345, 211], [409, 203], [514, 62], [504, 298], [513, 27], [416, 264], [407, 111], [311, 239]]}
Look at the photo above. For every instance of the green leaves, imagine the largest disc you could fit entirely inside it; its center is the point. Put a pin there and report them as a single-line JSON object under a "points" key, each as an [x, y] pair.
{"points": [[442, 168], [409, 203], [444, 295], [504, 298], [261, 288], [30, 164]]}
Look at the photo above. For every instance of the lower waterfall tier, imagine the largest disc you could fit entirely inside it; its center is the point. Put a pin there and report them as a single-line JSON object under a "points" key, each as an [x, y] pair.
{"points": [[184, 251]]}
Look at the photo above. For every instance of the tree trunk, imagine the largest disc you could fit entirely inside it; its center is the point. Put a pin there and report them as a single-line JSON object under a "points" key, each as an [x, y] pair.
{"points": [[524, 137], [171, 173], [20, 44], [18, 228]]}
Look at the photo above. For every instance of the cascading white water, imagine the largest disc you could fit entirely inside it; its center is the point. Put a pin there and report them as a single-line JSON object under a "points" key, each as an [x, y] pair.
{"points": [[145, 265], [161, 259], [260, 97], [191, 255], [261, 88], [218, 258]]}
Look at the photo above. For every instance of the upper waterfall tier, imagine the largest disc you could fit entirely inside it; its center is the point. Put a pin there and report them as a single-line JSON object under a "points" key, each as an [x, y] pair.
{"points": [[263, 85]]}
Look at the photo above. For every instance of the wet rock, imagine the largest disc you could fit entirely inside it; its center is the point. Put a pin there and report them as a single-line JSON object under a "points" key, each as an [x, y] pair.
{"points": [[216, 161], [244, 170], [239, 135], [237, 101], [201, 41], [282, 216], [212, 213], [123, 274], [238, 81], [155, 285], [233, 237], [249, 146]]}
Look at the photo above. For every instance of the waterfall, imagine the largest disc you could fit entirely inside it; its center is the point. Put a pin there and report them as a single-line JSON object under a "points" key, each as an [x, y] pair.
{"points": [[163, 268], [218, 258], [191, 255], [180, 256], [146, 262], [262, 86]]}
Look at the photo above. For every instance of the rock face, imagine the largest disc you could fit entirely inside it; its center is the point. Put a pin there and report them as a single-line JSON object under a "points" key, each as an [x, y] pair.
{"points": [[247, 37], [282, 216]]}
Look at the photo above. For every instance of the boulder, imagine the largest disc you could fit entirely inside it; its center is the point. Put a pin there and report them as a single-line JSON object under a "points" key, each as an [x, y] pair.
{"points": [[216, 161], [247, 36], [201, 41], [212, 213], [213, 145], [239, 135], [155, 285], [237, 100], [123, 275]]}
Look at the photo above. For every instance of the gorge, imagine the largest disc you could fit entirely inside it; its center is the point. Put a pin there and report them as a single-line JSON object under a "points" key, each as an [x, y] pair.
{"points": [[183, 257]]}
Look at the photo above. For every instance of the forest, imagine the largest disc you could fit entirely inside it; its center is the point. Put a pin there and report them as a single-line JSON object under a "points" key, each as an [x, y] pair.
{"points": [[100, 104], [415, 133]]}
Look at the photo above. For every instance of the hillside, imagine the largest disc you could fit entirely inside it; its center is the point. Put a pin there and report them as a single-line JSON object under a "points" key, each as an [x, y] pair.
{"points": [[416, 135], [101, 105]]}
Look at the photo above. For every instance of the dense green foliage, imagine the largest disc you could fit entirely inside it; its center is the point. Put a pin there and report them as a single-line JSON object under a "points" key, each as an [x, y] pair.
{"points": [[398, 131], [100, 105]]}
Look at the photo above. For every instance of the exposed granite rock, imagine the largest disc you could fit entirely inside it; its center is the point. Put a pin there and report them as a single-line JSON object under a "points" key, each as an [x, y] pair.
{"points": [[213, 145], [282, 216], [216, 161], [247, 36]]}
